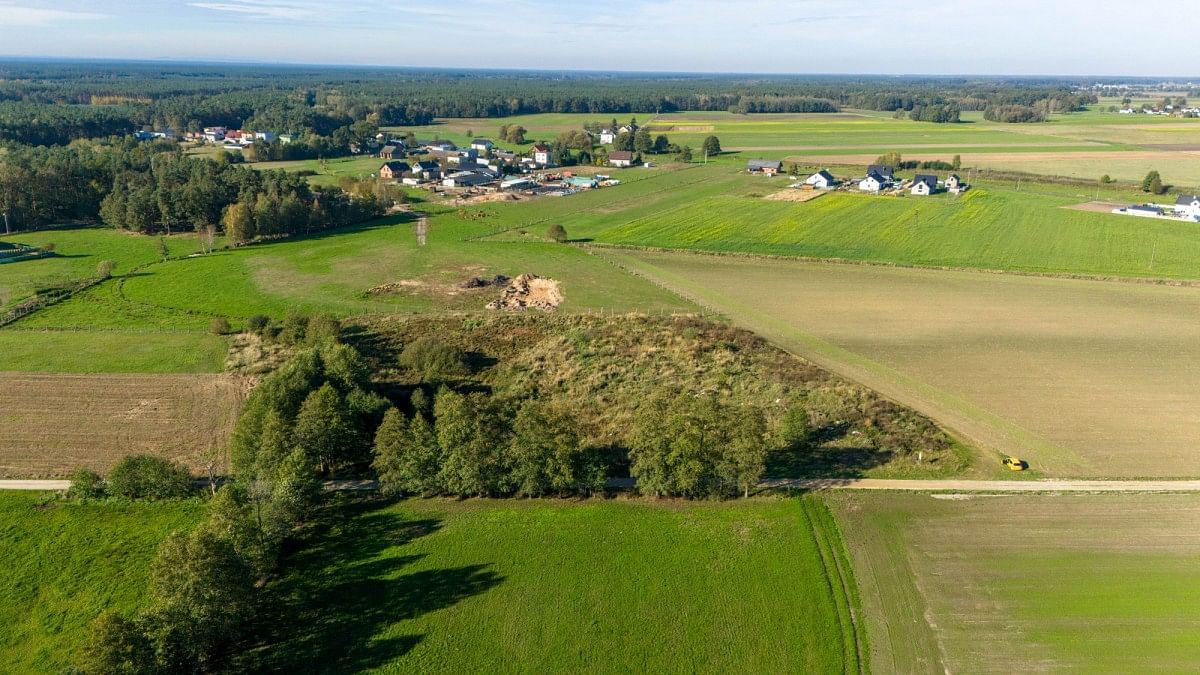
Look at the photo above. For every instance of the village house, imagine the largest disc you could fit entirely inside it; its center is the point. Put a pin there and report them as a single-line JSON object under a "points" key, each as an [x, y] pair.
{"points": [[608, 136], [427, 170], [390, 152], [394, 170], [541, 155], [768, 167], [872, 183], [954, 183], [924, 185], [621, 158], [887, 173], [482, 145], [821, 180], [1188, 206]]}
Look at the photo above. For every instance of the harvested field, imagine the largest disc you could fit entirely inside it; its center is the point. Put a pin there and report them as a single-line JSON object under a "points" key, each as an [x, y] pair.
{"points": [[1081, 378], [56, 423], [1096, 207], [793, 195], [1000, 584]]}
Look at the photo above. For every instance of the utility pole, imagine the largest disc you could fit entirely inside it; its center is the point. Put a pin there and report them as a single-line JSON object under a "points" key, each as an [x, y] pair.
{"points": [[6, 230]]}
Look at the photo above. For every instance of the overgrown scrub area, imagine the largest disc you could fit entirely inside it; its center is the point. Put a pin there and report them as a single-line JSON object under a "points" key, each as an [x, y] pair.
{"points": [[551, 586], [684, 405], [65, 562]]}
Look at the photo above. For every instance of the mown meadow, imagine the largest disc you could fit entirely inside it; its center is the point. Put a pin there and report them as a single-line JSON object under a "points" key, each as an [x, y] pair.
{"points": [[558, 587], [65, 562]]}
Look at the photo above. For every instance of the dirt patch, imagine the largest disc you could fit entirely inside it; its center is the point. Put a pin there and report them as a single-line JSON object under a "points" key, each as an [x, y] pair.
{"points": [[1096, 207], [53, 424], [1173, 147], [529, 291], [250, 355], [395, 287], [794, 195], [487, 198]]}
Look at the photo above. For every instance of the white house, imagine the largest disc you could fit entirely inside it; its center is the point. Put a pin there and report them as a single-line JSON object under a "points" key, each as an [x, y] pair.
{"points": [[1188, 206], [872, 183], [621, 158], [541, 154], [953, 183], [608, 136], [821, 180], [482, 145], [924, 185]]}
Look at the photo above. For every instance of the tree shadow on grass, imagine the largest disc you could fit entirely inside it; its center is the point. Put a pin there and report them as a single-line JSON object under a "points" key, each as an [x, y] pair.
{"points": [[816, 459], [342, 588]]}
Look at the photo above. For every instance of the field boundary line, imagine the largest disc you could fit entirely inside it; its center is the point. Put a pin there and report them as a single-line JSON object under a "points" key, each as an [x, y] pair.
{"points": [[1069, 276]]}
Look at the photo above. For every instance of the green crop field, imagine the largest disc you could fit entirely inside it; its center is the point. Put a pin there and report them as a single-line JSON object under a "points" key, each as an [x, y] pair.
{"points": [[993, 228], [1081, 378], [550, 586], [111, 351], [64, 563], [1094, 583]]}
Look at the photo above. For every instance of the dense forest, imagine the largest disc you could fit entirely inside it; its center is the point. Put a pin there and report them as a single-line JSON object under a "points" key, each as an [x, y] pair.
{"points": [[153, 187], [44, 103]]}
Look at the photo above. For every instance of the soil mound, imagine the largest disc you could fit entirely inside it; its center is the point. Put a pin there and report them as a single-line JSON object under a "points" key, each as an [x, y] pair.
{"points": [[529, 291]]}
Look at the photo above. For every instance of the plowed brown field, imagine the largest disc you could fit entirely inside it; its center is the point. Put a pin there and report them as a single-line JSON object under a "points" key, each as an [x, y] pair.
{"points": [[51, 424]]}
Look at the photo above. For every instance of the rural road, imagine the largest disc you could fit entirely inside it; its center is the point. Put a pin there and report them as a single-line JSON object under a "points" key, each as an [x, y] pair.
{"points": [[950, 485]]}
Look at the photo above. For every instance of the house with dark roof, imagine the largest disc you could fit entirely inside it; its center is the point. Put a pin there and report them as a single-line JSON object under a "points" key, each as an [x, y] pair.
{"points": [[883, 171], [622, 158], [468, 179], [872, 183], [821, 180], [394, 170], [444, 146], [482, 145], [924, 185], [768, 167], [390, 152], [1188, 206], [427, 170]]}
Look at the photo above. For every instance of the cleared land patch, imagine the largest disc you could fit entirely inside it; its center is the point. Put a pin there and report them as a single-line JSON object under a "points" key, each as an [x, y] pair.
{"points": [[549, 586], [1102, 583], [56, 423], [1081, 378]]}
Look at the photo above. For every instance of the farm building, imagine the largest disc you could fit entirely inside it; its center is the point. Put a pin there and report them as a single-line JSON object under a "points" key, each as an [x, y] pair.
{"points": [[887, 173], [466, 179], [482, 145], [394, 170], [390, 152], [443, 146], [768, 167], [1143, 210], [622, 158], [541, 154], [821, 180], [1188, 206], [580, 182], [924, 185]]}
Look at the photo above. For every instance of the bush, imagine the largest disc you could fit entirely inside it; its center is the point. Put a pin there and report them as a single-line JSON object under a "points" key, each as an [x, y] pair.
{"points": [[117, 645], [86, 484], [149, 477], [434, 359], [104, 270], [219, 326], [557, 232], [258, 323]]}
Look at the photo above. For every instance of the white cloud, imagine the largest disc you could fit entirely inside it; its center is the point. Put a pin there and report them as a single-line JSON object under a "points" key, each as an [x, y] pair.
{"points": [[16, 15], [262, 9]]}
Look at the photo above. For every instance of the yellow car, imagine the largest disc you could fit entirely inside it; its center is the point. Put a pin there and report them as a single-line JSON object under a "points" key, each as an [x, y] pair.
{"points": [[1015, 463]]}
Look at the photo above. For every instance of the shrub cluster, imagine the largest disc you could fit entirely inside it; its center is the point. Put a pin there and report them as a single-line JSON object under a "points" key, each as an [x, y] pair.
{"points": [[134, 477]]}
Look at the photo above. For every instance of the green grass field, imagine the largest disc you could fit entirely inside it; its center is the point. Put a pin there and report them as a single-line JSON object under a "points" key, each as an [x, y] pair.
{"points": [[550, 586], [64, 563], [1081, 378], [111, 351], [1093, 583]]}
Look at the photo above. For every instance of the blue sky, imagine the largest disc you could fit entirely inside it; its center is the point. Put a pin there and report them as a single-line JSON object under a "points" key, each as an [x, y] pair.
{"points": [[1098, 37]]}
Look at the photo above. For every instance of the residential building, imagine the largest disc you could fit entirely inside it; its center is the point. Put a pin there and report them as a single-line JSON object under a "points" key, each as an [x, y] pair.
{"points": [[394, 170], [621, 158], [482, 145], [427, 170], [924, 185], [953, 183], [887, 173], [541, 154], [769, 167], [821, 180], [1188, 206], [872, 183], [390, 152]]}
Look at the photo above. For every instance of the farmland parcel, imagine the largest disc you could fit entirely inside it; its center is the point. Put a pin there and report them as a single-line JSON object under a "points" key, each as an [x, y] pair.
{"points": [[1082, 378]]}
